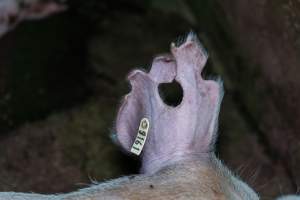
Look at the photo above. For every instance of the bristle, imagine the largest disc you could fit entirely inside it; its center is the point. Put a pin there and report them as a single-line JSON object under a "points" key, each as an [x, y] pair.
{"points": [[192, 36], [180, 40]]}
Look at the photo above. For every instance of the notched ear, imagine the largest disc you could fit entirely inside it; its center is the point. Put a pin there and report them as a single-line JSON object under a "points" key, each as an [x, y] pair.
{"points": [[143, 100], [190, 52], [133, 109], [163, 69]]}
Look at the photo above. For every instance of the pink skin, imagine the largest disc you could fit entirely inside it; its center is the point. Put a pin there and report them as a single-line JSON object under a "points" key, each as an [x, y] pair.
{"points": [[179, 133], [41, 10], [11, 13]]}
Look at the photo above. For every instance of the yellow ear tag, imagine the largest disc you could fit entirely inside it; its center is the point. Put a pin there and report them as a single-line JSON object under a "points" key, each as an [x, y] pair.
{"points": [[141, 137]]}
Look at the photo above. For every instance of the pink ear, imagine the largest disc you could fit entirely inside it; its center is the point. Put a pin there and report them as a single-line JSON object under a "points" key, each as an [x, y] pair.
{"points": [[175, 133], [143, 98], [42, 9]]}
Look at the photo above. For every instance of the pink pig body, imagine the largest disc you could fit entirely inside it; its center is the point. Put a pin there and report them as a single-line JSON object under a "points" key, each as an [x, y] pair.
{"points": [[13, 12], [178, 159]]}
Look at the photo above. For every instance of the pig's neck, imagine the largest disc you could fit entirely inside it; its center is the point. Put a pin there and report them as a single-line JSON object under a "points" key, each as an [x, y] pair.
{"points": [[152, 165], [208, 172]]}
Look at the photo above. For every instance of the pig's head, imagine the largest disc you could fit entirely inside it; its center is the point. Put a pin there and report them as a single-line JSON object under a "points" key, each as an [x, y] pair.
{"points": [[187, 131], [183, 135]]}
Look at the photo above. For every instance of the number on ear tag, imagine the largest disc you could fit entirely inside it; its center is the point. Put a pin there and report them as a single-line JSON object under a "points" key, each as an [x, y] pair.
{"points": [[141, 137]]}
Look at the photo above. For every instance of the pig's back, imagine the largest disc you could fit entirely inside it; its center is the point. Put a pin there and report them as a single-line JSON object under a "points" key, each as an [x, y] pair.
{"points": [[181, 181]]}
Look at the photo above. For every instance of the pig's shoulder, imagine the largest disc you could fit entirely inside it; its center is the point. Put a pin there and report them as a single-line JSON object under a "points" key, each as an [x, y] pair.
{"points": [[181, 181], [185, 180]]}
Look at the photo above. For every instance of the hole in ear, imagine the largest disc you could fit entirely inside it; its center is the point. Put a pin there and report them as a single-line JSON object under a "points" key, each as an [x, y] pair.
{"points": [[171, 93]]}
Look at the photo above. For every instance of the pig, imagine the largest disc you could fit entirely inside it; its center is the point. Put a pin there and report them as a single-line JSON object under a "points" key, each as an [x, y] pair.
{"points": [[289, 197], [12, 12], [177, 147]]}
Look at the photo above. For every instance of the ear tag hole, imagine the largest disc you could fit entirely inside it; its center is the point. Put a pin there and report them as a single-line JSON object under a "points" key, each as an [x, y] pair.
{"points": [[171, 93]]}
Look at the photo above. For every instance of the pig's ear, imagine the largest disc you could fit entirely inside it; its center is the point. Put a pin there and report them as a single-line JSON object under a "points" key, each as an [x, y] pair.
{"points": [[131, 111], [43, 9], [143, 99], [202, 98]]}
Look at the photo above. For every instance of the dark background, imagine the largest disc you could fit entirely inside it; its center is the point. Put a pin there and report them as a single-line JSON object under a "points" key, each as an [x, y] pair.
{"points": [[62, 78]]}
